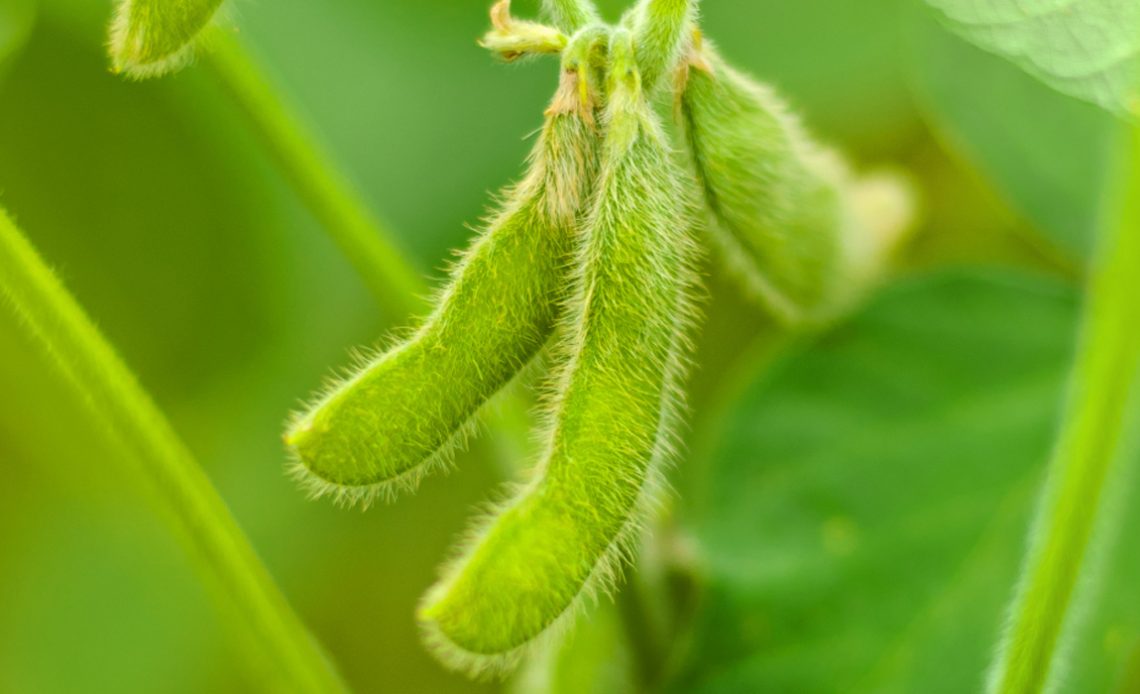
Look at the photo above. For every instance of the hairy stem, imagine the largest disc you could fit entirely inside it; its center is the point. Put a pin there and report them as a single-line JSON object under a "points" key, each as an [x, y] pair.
{"points": [[661, 32], [572, 15], [369, 246], [283, 648], [1103, 385], [149, 38]]}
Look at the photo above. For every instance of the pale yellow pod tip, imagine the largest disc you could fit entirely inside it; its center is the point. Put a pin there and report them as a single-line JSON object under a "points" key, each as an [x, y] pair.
{"points": [[886, 208]]}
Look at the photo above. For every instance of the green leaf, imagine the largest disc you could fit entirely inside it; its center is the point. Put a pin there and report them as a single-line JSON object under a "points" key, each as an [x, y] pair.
{"points": [[16, 19], [1083, 48], [866, 503], [1048, 155]]}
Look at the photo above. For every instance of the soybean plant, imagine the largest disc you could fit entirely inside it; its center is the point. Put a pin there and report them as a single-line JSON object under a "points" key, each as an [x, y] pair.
{"points": [[594, 253]]}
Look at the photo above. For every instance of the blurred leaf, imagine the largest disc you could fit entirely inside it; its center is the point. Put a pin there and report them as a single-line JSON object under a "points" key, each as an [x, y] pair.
{"points": [[866, 504], [16, 19], [1048, 154], [1083, 48]]}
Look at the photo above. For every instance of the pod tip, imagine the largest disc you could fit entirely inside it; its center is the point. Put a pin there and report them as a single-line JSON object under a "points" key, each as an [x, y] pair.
{"points": [[478, 666]]}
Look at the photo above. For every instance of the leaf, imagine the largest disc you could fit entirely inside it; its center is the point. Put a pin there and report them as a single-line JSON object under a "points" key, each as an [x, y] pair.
{"points": [[1084, 48], [1046, 154], [16, 19], [863, 516]]}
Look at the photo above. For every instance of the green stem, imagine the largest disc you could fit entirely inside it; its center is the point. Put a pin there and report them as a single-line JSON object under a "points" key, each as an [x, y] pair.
{"points": [[661, 30], [1103, 386], [284, 649], [369, 246], [572, 15]]}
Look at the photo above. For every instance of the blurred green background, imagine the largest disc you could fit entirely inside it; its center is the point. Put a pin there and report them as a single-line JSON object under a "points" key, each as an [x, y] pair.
{"points": [[851, 510]]}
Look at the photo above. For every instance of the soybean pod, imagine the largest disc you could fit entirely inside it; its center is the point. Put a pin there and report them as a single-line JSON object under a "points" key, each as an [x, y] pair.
{"points": [[803, 232], [382, 429], [622, 351]]}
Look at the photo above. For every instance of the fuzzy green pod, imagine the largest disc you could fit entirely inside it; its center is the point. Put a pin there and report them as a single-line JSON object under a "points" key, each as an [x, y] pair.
{"points": [[152, 37], [622, 349], [384, 428], [806, 236]]}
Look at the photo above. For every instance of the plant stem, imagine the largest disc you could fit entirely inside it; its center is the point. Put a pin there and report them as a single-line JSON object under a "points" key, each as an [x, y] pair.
{"points": [[1103, 385], [661, 29], [370, 247], [572, 15], [285, 651]]}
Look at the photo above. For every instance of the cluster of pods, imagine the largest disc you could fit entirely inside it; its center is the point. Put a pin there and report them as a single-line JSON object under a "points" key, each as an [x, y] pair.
{"points": [[592, 258]]}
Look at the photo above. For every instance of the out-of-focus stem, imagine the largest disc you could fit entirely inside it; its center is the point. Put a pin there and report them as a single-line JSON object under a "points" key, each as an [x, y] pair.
{"points": [[1104, 385], [367, 244], [282, 648]]}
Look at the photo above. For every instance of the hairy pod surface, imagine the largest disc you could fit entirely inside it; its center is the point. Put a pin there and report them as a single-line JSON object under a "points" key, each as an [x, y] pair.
{"points": [[152, 37], [805, 235], [622, 352], [384, 428]]}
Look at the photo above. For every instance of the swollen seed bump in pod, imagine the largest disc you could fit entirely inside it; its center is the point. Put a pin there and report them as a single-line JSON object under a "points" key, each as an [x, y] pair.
{"points": [[806, 236], [152, 37], [384, 428], [621, 354]]}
